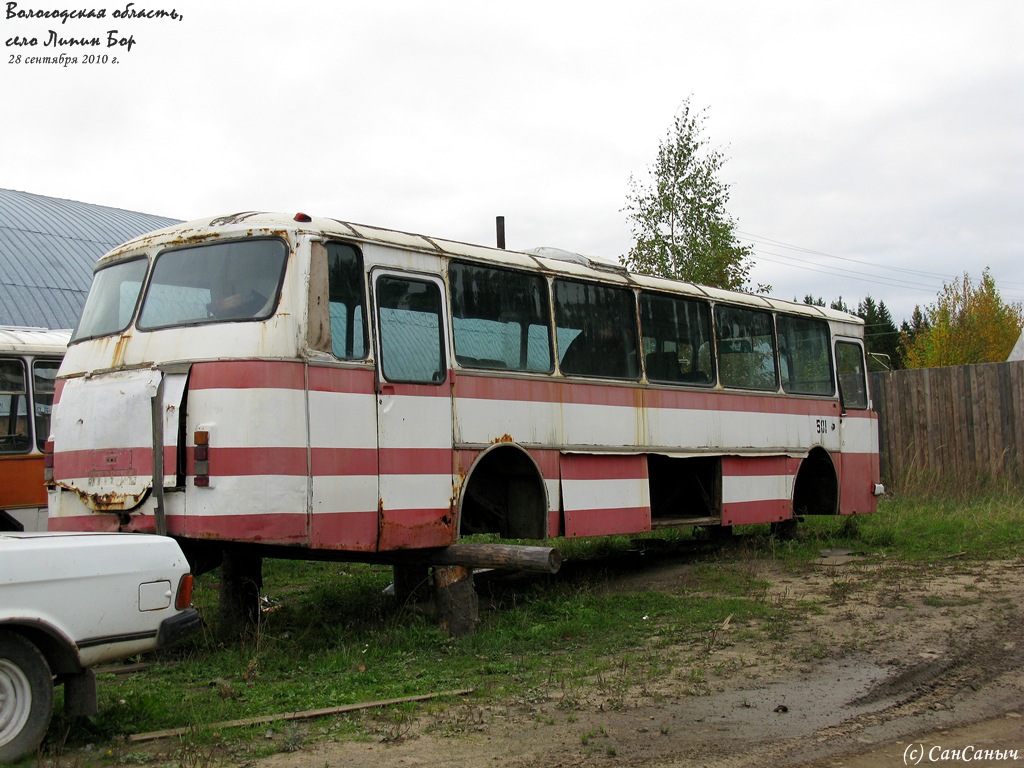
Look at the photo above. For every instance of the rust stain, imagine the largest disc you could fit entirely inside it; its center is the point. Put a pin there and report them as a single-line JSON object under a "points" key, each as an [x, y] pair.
{"points": [[458, 481], [506, 438], [106, 502], [119, 349], [394, 535]]}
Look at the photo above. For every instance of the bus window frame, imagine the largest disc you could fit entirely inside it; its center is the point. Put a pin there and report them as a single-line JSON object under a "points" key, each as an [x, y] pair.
{"points": [[776, 389], [380, 362], [547, 308], [12, 415], [829, 351], [595, 346], [853, 342], [363, 294], [710, 340], [36, 360]]}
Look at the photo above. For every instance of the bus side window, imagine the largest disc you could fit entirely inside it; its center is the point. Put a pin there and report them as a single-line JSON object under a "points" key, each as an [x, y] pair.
{"points": [[500, 318], [347, 311], [804, 356], [44, 374], [411, 336], [14, 426], [746, 348], [676, 336], [853, 387], [596, 330]]}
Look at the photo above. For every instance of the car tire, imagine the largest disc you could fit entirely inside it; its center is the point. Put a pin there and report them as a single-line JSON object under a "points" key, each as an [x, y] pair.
{"points": [[26, 696]]}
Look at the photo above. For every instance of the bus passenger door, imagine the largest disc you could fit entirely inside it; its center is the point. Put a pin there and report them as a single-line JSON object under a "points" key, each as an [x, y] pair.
{"points": [[859, 432], [414, 412]]}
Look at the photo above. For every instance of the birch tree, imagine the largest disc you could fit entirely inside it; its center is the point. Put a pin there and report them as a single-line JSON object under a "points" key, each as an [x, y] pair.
{"points": [[678, 216]]}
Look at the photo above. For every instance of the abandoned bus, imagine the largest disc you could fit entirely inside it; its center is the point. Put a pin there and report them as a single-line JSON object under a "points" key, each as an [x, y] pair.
{"points": [[29, 359], [310, 385]]}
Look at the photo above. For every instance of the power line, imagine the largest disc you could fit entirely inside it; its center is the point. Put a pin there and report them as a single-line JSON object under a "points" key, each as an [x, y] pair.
{"points": [[795, 262], [848, 273], [770, 241]]}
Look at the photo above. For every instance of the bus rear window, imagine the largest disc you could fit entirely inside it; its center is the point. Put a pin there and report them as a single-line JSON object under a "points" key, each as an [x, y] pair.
{"points": [[222, 282]]}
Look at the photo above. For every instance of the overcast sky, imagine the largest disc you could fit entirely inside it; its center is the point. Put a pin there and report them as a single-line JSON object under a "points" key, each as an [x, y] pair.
{"points": [[873, 147]]}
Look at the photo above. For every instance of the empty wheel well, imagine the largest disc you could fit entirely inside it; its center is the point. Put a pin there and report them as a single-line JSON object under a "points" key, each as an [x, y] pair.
{"points": [[504, 494], [816, 491]]}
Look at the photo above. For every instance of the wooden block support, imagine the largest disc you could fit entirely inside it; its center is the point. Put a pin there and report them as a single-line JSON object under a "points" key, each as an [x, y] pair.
{"points": [[458, 607]]}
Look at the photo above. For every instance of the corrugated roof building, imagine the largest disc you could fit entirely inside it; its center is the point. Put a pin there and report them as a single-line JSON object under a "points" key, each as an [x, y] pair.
{"points": [[47, 250]]}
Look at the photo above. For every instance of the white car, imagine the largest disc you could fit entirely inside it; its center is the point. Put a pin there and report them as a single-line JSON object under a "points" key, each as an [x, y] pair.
{"points": [[70, 601]]}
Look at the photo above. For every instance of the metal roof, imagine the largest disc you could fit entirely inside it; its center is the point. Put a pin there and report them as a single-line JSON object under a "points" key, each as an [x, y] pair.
{"points": [[33, 341], [47, 250]]}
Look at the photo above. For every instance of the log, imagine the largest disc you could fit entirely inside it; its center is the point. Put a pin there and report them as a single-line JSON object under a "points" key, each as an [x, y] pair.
{"points": [[513, 557]]}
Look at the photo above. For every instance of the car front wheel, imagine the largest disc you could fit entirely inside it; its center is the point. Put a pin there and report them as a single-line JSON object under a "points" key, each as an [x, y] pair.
{"points": [[26, 696]]}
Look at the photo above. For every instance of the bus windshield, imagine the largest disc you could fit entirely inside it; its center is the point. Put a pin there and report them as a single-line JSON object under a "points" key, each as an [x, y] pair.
{"points": [[222, 282], [214, 283], [112, 298]]}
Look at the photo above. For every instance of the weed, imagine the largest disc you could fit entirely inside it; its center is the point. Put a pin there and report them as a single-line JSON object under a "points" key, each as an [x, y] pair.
{"points": [[192, 752], [394, 726], [935, 601], [839, 590]]}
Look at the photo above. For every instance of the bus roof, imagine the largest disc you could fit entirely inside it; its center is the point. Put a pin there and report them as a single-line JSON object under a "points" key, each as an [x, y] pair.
{"points": [[552, 260], [33, 341]]}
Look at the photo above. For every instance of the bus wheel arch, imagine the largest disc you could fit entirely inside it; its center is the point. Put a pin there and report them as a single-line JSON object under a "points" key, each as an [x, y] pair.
{"points": [[504, 493], [816, 488]]}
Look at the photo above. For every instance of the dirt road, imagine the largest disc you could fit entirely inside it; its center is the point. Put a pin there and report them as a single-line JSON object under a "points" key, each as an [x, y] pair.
{"points": [[885, 663]]}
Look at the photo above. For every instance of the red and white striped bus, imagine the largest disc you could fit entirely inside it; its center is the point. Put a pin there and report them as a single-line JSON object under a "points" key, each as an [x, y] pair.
{"points": [[308, 384]]}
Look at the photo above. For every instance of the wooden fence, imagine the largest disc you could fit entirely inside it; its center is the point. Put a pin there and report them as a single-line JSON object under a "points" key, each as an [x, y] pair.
{"points": [[955, 424]]}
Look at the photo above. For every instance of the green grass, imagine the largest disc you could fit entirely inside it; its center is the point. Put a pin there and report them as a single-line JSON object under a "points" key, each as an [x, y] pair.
{"points": [[333, 637], [985, 526]]}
